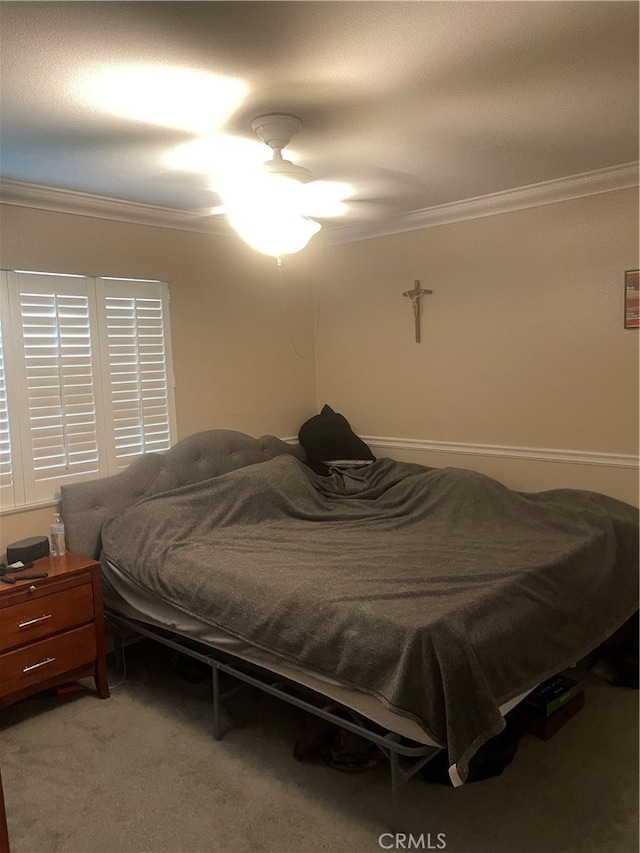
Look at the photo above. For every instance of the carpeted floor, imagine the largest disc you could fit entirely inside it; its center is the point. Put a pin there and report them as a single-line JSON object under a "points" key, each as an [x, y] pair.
{"points": [[141, 772]]}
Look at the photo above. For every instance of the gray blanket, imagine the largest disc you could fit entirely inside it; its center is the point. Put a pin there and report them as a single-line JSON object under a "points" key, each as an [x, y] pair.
{"points": [[440, 591]]}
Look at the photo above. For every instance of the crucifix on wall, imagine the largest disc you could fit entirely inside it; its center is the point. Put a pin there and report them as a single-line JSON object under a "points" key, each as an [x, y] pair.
{"points": [[415, 295]]}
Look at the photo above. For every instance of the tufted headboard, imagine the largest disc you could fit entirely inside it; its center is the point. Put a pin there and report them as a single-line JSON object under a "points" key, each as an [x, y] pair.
{"points": [[198, 457]]}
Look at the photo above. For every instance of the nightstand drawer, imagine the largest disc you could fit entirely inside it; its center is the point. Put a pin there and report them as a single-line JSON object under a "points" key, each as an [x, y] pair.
{"points": [[46, 615], [37, 662]]}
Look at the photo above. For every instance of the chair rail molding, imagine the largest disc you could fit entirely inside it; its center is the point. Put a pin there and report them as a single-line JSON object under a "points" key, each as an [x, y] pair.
{"points": [[534, 454]]}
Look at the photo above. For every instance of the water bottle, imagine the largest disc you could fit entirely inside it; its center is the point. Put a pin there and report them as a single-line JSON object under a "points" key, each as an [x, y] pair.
{"points": [[57, 536]]}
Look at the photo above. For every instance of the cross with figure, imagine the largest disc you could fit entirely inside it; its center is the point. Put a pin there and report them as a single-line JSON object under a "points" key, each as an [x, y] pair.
{"points": [[415, 296]]}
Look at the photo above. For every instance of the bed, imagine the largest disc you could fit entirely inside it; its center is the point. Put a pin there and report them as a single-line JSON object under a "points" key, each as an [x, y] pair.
{"points": [[416, 605]]}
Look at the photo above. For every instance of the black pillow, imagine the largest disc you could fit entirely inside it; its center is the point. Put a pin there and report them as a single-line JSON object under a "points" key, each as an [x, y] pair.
{"points": [[328, 436]]}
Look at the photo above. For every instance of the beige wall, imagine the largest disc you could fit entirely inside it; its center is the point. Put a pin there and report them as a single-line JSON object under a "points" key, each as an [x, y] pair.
{"points": [[522, 338], [523, 342], [234, 364]]}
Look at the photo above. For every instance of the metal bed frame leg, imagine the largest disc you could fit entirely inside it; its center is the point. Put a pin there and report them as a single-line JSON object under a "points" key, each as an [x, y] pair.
{"points": [[217, 722], [396, 781], [118, 637], [389, 744]]}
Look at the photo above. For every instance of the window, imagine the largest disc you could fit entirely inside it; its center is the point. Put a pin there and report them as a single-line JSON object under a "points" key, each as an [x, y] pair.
{"points": [[86, 381]]}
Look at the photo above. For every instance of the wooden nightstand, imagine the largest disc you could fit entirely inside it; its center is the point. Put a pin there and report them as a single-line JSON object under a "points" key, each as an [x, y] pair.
{"points": [[52, 629]]}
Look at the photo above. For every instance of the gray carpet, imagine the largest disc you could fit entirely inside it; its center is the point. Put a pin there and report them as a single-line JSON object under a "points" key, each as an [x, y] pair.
{"points": [[141, 772]]}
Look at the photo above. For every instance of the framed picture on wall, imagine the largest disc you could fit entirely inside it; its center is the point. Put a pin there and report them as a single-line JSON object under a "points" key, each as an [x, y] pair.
{"points": [[631, 300]]}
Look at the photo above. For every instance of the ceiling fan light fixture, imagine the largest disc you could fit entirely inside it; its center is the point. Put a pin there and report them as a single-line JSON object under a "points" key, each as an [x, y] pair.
{"points": [[283, 235], [267, 209]]}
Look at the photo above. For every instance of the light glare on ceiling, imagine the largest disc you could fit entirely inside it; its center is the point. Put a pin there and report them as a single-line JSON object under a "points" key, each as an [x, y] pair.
{"points": [[217, 155], [170, 96]]}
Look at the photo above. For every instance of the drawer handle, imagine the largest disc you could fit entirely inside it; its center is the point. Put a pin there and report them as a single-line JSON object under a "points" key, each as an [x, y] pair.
{"points": [[37, 665], [34, 621]]}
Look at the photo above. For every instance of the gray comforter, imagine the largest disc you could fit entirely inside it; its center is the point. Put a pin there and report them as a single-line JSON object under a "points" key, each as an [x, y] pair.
{"points": [[440, 591]]}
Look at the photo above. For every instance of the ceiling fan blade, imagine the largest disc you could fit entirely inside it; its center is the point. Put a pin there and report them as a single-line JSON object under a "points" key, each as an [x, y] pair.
{"points": [[324, 199]]}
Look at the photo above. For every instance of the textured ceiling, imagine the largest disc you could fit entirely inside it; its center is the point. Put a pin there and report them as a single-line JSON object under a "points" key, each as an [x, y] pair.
{"points": [[416, 104]]}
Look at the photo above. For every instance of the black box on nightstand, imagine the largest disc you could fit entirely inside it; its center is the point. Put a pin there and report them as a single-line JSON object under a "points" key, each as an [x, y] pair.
{"points": [[28, 550]]}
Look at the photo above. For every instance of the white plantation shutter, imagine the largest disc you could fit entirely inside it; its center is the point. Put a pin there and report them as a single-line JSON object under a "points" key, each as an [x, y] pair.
{"points": [[136, 364], [89, 380], [6, 466], [59, 373], [57, 368], [11, 483]]}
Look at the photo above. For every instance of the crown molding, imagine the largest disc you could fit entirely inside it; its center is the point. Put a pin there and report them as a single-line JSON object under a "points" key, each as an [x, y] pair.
{"points": [[507, 201], [534, 454], [548, 192], [85, 204]]}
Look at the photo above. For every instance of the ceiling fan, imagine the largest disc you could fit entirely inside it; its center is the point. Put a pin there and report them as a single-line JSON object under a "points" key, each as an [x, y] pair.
{"points": [[275, 207]]}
